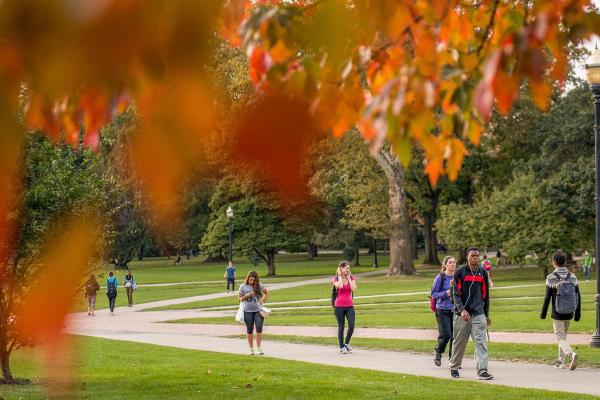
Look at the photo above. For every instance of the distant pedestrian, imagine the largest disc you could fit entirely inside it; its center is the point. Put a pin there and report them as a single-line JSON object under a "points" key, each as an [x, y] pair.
{"points": [[344, 285], [470, 289], [442, 294], [178, 260], [91, 288], [586, 264], [130, 285], [562, 289], [499, 257], [253, 294], [486, 264], [111, 290], [230, 276]]}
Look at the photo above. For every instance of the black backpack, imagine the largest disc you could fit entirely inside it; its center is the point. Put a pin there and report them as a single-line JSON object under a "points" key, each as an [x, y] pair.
{"points": [[111, 289]]}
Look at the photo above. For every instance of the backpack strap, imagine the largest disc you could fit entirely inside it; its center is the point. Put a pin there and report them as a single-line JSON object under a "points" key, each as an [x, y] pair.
{"points": [[558, 276]]}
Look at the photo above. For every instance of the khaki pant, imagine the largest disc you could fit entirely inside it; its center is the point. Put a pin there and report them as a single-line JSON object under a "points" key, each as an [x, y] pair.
{"points": [[560, 331], [476, 327]]}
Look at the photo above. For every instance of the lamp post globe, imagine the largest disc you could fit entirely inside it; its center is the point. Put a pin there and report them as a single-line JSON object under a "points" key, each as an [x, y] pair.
{"points": [[592, 67]]}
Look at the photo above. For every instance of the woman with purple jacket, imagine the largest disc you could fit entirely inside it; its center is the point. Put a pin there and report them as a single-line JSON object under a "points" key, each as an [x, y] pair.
{"points": [[441, 292]]}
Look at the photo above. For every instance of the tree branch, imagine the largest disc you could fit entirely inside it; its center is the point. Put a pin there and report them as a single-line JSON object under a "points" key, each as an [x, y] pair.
{"points": [[488, 28]]}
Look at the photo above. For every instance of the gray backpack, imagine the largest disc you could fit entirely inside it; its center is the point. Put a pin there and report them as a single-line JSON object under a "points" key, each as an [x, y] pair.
{"points": [[566, 295]]}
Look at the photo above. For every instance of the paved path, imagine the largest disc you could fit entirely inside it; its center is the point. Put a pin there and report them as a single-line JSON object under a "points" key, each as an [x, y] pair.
{"points": [[147, 327], [129, 325]]}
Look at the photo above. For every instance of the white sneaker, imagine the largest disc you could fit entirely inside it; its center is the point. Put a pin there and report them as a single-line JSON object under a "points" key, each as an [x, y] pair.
{"points": [[560, 364], [344, 350], [348, 347], [573, 363], [259, 351], [251, 351]]}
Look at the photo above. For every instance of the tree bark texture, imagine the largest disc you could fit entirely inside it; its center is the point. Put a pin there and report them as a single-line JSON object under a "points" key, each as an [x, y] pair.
{"points": [[401, 261]]}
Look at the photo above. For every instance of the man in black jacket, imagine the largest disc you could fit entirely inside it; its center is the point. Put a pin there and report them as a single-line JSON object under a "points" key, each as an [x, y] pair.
{"points": [[561, 321], [470, 292]]}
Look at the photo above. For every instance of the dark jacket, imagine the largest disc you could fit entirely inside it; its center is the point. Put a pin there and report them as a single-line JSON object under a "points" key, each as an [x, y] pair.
{"points": [[551, 288], [470, 291]]}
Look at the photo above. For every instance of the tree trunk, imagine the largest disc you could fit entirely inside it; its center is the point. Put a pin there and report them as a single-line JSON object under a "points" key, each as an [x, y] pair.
{"points": [[375, 262], [141, 252], [311, 249], [270, 263], [5, 365], [356, 256], [462, 256], [401, 261], [413, 241], [431, 254]]}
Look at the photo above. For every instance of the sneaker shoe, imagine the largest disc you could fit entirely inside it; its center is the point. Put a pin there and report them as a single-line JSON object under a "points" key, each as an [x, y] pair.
{"points": [[560, 364], [438, 359], [251, 351], [259, 351], [348, 347], [454, 373], [483, 375], [344, 350], [573, 363]]}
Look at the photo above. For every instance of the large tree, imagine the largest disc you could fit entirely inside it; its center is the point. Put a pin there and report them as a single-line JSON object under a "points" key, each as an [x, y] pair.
{"points": [[58, 180], [262, 226]]}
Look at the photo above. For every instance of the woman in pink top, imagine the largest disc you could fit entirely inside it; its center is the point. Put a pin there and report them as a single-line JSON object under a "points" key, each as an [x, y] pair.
{"points": [[343, 306]]}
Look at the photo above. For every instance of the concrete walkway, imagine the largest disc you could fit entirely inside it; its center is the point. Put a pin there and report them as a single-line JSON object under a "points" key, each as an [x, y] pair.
{"points": [[128, 325], [149, 327]]}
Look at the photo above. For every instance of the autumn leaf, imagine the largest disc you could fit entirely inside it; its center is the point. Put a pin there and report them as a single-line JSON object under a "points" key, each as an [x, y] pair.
{"points": [[540, 92]]}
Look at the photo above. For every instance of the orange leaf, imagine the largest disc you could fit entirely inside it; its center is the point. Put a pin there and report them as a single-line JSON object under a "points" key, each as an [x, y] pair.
{"points": [[457, 154], [541, 91], [473, 131], [401, 19], [434, 169], [280, 53], [506, 91]]}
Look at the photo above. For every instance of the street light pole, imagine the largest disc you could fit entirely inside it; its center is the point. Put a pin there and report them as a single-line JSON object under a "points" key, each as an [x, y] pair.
{"points": [[229, 217], [593, 74]]}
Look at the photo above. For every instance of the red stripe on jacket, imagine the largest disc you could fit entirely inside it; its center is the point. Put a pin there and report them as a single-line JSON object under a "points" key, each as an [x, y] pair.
{"points": [[477, 278]]}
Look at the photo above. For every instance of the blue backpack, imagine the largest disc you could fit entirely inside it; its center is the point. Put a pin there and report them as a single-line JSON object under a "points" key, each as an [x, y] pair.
{"points": [[566, 295]]}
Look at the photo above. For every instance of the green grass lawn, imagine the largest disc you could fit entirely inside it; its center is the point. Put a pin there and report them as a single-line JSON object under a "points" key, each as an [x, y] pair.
{"points": [[512, 309], [162, 270], [290, 267], [112, 369], [537, 353]]}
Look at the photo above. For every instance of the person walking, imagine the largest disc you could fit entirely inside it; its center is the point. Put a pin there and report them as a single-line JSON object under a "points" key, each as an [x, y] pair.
{"points": [[487, 266], [344, 285], [586, 264], [442, 294], [562, 290], [253, 294], [130, 285], [111, 291], [470, 290], [230, 276], [91, 288]]}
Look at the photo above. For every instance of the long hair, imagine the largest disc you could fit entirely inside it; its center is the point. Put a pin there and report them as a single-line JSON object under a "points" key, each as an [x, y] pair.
{"points": [[257, 290], [446, 259]]}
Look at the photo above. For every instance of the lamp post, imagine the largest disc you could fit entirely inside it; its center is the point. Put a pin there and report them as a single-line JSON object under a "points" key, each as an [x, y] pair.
{"points": [[229, 217], [593, 74]]}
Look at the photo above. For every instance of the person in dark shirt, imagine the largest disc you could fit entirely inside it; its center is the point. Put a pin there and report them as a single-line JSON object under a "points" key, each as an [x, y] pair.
{"points": [[561, 321], [470, 291], [230, 276]]}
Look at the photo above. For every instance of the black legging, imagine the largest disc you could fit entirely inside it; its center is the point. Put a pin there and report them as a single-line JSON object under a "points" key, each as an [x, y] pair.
{"points": [[111, 302], [444, 322], [251, 319], [341, 314]]}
